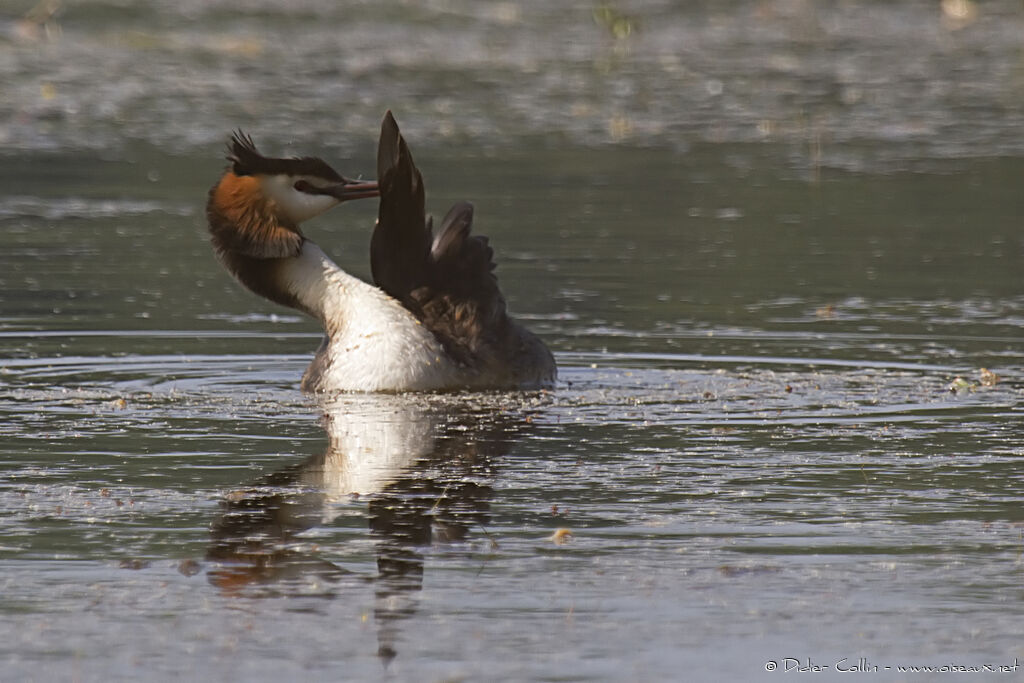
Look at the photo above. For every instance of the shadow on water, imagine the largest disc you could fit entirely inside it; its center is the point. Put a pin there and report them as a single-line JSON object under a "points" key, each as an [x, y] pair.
{"points": [[424, 467]]}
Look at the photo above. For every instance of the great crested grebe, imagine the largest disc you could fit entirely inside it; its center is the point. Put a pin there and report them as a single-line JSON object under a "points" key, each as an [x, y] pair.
{"points": [[434, 319]]}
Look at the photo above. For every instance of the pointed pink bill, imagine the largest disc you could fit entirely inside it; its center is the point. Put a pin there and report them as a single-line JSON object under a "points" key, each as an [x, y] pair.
{"points": [[343, 191], [353, 189]]}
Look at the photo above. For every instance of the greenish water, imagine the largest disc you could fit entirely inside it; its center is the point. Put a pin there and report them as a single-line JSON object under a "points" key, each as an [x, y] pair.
{"points": [[762, 238]]}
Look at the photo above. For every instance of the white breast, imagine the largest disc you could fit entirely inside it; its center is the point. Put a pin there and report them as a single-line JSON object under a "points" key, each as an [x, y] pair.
{"points": [[375, 344]]}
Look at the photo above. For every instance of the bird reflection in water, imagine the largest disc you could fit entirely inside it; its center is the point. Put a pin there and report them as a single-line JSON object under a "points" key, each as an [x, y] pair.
{"points": [[425, 464]]}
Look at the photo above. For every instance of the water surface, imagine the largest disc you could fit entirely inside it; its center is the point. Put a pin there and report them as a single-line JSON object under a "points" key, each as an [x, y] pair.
{"points": [[774, 246]]}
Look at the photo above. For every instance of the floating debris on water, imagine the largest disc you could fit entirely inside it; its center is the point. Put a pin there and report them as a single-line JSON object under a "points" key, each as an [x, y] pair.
{"points": [[189, 567], [986, 377], [561, 536], [959, 385], [618, 25], [133, 564]]}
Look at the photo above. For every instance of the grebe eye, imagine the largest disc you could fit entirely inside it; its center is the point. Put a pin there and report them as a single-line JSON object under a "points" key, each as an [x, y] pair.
{"points": [[303, 186]]}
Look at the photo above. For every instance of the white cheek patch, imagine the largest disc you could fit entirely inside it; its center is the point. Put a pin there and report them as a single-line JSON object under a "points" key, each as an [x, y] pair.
{"points": [[296, 206]]}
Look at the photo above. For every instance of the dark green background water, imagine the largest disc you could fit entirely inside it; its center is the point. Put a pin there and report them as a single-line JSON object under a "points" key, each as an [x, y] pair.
{"points": [[762, 238]]}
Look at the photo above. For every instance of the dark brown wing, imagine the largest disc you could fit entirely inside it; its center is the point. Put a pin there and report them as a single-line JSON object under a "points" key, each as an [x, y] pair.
{"points": [[446, 281], [401, 240]]}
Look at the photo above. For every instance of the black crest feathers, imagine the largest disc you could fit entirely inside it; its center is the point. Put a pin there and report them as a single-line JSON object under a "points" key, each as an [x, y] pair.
{"points": [[246, 160]]}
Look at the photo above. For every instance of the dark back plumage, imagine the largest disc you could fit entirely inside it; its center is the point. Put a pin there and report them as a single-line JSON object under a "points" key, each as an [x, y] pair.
{"points": [[446, 280]]}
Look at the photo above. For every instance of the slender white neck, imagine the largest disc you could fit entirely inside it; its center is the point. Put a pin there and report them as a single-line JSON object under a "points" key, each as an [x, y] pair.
{"points": [[322, 288]]}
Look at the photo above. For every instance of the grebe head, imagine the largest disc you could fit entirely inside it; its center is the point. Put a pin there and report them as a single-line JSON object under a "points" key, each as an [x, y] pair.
{"points": [[256, 207], [300, 187]]}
